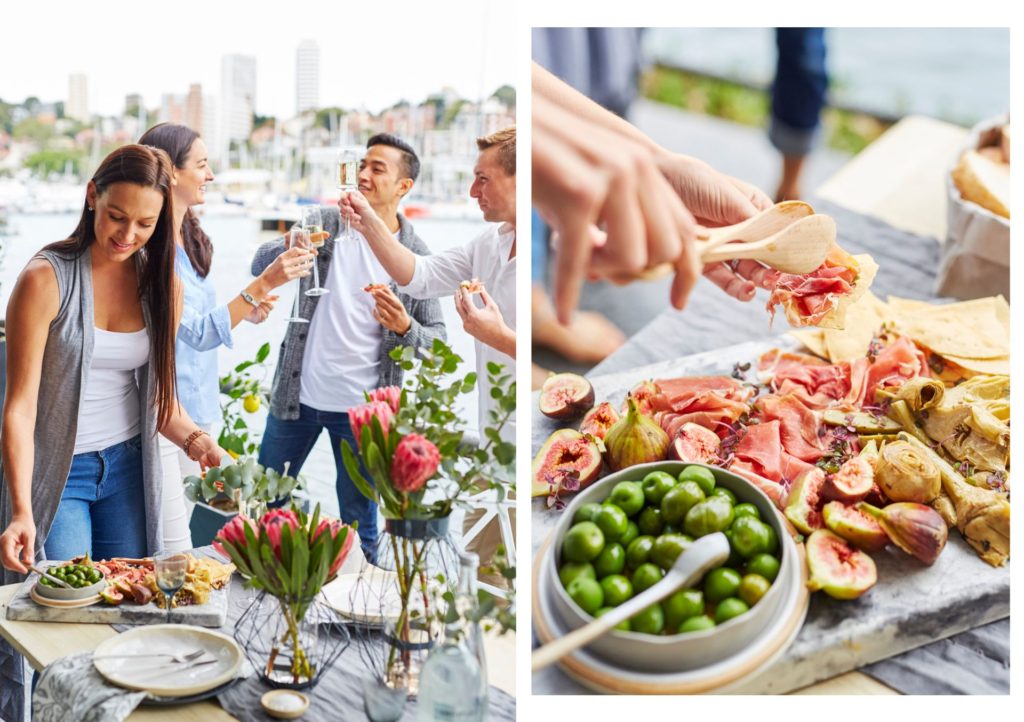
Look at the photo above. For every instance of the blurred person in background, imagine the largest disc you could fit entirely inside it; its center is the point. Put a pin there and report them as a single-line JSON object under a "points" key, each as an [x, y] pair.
{"points": [[798, 95], [205, 325]]}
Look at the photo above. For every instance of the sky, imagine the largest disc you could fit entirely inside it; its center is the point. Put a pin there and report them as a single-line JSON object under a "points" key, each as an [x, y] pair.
{"points": [[371, 54]]}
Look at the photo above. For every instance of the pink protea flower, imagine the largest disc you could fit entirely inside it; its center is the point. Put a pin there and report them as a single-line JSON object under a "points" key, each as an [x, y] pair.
{"points": [[272, 522], [334, 527], [415, 461], [359, 416], [391, 395], [233, 533]]}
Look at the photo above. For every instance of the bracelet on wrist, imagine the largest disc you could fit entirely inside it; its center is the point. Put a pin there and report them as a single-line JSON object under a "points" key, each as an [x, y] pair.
{"points": [[190, 440]]}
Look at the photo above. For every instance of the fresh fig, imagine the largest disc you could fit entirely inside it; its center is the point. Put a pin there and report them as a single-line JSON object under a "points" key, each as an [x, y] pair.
{"points": [[636, 438], [567, 461], [917, 529], [644, 393], [695, 444], [566, 396], [855, 526], [803, 509], [852, 483], [598, 420], [839, 569], [112, 595]]}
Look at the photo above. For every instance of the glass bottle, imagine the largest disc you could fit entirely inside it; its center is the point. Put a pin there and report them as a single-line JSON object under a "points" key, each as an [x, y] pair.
{"points": [[453, 683]]}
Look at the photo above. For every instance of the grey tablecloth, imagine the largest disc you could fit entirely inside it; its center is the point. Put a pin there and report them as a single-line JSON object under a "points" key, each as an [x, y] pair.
{"points": [[975, 662]]}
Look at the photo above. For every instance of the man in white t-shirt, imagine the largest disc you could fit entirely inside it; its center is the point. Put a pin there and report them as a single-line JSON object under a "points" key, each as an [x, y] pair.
{"points": [[325, 366], [490, 258]]}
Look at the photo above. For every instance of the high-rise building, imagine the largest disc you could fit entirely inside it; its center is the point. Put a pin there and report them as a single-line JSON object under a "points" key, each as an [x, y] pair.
{"points": [[172, 109], [132, 103], [194, 107], [307, 76], [77, 106], [237, 99]]}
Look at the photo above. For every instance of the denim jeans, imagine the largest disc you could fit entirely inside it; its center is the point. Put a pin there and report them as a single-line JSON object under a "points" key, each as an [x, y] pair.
{"points": [[291, 441], [798, 93], [102, 510]]}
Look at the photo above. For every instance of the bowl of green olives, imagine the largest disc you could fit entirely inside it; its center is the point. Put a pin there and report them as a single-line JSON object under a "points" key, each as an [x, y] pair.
{"points": [[85, 581], [619, 536]]}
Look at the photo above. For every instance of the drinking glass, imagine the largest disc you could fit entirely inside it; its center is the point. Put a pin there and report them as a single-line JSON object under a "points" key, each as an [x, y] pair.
{"points": [[314, 225], [348, 176], [298, 237], [170, 570]]}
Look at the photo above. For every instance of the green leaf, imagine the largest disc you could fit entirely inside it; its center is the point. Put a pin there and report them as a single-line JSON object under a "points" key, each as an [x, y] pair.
{"points": [[263, 352], [494, 368], [243, 366], [352, 467]]}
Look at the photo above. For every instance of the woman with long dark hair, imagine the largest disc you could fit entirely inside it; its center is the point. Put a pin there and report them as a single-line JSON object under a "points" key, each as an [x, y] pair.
{"points": [[205, 324], [90, 376]]}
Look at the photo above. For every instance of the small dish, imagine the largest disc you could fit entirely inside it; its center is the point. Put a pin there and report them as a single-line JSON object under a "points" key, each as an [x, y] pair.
{"points": [[36, 597], [69, 595], [370, 597], [274, 703]]}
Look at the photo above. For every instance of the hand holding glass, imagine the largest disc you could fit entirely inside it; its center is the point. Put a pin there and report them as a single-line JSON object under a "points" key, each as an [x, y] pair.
{"points": [[170, 571], [348, 176]]}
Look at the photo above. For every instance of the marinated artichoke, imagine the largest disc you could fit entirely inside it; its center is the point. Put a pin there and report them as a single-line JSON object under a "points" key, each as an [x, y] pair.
{"points": [[903, 473]]}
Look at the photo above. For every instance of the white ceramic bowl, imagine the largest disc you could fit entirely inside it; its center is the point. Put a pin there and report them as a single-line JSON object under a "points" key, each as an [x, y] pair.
{"points": [[61, 594], [674, 653]]}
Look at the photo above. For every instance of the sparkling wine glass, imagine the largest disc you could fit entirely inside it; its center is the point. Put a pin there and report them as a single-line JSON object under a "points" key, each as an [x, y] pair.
{"points": [[298, 237], [348, 176], [314, 225], [170, 570]]}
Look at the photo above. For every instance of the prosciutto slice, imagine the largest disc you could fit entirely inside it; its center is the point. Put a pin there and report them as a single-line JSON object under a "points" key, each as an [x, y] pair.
{"points": [[808, 298], [798, 425], [713, 402], [896, 363], [760, 456]]}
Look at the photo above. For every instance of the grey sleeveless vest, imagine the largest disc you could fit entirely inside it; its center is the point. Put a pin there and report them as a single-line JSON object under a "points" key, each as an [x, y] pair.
{"points": [[66, 361]]}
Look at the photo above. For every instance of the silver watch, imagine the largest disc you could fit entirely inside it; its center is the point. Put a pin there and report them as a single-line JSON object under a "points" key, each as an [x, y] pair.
{"points": [[247, 297]]}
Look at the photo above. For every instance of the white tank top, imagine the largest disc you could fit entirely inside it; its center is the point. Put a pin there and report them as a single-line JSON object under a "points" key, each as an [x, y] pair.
{"points": [[109, 410]]}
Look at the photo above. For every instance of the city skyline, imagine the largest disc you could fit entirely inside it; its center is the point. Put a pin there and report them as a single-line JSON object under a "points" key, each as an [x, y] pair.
{"points": [[481, 62]]}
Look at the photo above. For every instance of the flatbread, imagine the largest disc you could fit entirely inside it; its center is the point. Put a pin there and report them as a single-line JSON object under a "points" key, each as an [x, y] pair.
{"points": [[812, 338], [977, 329], [863, 319]]}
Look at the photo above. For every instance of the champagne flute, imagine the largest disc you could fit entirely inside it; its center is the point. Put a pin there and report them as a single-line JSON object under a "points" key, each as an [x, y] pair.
{"points": [[170, 570], [314, 225], [298, 237], [348, 176]]}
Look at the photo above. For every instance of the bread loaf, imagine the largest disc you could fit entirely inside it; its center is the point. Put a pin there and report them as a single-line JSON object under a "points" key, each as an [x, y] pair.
{"points": [[984, 181]]}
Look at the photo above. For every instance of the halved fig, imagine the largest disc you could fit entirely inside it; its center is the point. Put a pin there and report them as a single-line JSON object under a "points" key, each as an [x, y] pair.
{"points": [[566, 396], [567, 461], [855, 526], [644, 393], [838, 568], [803, 507], [853, 482], [694, 443], [598, 420], [112, 595]]}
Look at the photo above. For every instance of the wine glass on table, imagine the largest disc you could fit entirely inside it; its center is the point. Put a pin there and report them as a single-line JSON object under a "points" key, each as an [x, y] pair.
{"points": [[348, 177], [298, 237], [314, 225], [170, 571]]}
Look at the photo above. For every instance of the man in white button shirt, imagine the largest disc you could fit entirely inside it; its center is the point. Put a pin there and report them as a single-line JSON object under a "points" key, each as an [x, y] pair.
{"points": [[489, 258]]}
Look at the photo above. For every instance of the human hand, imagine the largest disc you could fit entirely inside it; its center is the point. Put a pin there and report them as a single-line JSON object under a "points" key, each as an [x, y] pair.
{"points": [[293, 263], [742, 279], [355, 209], [260, 313], [17, 544], [207, 453], [714, 198], [585, 176], [484, 323], [389, 312]]}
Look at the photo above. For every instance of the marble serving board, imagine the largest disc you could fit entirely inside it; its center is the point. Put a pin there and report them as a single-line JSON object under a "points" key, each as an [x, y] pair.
{"points": [[214, 613], [911, 605]]}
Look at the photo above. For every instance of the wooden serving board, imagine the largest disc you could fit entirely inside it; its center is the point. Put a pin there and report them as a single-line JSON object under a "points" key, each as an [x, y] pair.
{"points": [[212, 614], [911, 605]]}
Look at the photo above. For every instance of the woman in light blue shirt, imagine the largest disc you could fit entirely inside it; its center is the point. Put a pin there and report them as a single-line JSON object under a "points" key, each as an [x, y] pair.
{"points": [[205, 324]]}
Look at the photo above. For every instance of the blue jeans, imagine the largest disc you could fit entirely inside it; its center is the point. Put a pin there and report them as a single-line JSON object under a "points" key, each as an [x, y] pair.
{"points": [[102, 510], [291, 441], [798, 93]]}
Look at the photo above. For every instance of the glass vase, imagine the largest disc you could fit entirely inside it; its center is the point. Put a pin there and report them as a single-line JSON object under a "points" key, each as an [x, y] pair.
{"points": [[291, 642], [421, 563]]}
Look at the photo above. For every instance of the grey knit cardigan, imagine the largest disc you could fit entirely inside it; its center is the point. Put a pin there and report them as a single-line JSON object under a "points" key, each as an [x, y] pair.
{"points": [[427, 321]]}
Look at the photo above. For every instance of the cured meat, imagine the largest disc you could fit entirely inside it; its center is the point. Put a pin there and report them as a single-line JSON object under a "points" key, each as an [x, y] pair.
{"points": [[896, 363], [808, 298], [762, 450], [711, 401], [819, 385], [798, 425]]}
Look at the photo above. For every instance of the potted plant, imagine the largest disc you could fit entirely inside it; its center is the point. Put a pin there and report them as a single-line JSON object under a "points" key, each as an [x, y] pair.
{"points": [[224, 491], [411, 444]]}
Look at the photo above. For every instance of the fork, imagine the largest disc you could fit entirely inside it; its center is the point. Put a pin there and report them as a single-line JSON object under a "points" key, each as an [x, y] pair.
{"points": [[175, 658]]}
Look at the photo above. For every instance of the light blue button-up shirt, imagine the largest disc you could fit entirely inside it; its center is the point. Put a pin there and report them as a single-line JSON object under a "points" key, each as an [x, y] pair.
{"points": [[204, 326]]}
